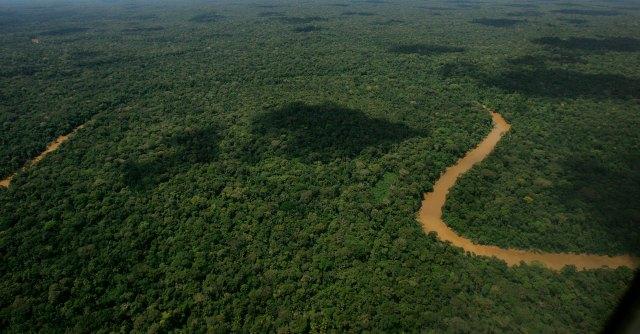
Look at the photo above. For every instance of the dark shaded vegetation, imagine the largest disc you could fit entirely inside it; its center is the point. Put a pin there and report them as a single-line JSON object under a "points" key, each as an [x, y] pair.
{"points": [[521, 5], [460, 70], [358, 14], [624, 319], [270, 14], [22, 70], [545, 60], [588, 12], [387, 22], [561, 83], [301, 20], [577, 22], [176, 154], [328, 131], [630, 6], [206, 18], [95, 59], [526, 13], [425, 49], [269, 6], [461, 5], [572, 4], [529, 60], [144, 17], [307, 28], [618, 44], [464, 4], [600, 187], [498, 23], [64, 31], [142, 29], [535, 77], [436, 8], [84, 54]]}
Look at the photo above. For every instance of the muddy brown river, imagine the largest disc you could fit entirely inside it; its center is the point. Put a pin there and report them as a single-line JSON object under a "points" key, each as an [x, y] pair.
{"points": [[430, 217]]}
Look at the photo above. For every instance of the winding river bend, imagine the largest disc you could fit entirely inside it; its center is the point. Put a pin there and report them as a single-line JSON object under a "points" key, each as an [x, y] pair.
{"points": [[430, 217], [430, 214], [54, 145]]}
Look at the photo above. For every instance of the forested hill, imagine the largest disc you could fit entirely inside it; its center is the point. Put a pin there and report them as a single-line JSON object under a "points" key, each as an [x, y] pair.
{"points": [[257, 166]]}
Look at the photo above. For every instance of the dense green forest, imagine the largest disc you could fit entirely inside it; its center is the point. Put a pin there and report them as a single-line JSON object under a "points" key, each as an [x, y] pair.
{"points": [[257, 166]]}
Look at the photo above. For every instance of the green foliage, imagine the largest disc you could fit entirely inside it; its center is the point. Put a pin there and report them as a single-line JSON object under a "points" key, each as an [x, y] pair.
{"points": [[307, 28], [589, 12], [499, 23], [382, 188], [425, 50], [206, 18], [235, 176], [619, 44]]}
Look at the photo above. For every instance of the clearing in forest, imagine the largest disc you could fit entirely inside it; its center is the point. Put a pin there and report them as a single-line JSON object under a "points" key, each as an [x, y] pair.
{"points": [[4, 183]]}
